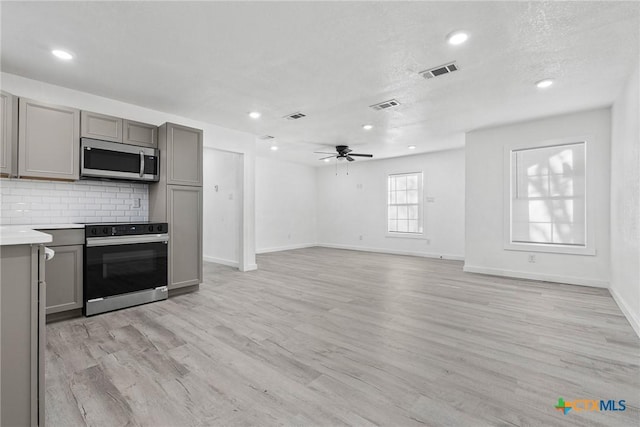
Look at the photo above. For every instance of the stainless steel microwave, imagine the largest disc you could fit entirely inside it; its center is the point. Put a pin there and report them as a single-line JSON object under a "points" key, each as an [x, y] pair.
{"points": [[113, 160]]}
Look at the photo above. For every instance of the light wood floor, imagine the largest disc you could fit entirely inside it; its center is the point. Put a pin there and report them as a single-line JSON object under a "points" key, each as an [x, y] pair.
{"points": [[330, 337]]}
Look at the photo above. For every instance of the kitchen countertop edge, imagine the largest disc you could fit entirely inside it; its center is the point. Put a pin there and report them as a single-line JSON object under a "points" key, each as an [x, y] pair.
{"points": [[22, 236], [28, 234]]}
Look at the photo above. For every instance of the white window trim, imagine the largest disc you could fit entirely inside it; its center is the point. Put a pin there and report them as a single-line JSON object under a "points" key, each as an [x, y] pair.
{"points": [[401, 234], [590, 244]]}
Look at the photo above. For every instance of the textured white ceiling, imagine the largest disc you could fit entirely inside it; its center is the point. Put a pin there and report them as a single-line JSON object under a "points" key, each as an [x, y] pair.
{"points": [[216, 61]]}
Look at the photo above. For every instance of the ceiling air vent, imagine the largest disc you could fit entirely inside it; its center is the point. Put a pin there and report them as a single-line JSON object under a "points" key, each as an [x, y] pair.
{"points": [[295, 116], [265, 137], [440, 70], [385, 105]]}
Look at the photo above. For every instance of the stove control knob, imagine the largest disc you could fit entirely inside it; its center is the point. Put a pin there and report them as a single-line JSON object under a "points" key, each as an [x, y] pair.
{"points": [[151, 228], [94, 231], [159, 228], [105, 231]]}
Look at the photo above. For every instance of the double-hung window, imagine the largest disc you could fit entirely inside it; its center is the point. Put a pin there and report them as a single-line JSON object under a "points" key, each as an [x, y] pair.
{"points": [[404, 204], [548, 197]]}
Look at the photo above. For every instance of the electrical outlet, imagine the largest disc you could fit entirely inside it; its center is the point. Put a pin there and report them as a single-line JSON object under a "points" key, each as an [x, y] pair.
{"points": [[136, 203], [532, 258], [289, 236], [360, 237], [428, 241]]}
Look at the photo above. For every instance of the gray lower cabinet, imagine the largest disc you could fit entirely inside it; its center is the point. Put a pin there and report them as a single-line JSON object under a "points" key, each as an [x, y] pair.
{"points": [[64, 271], [185, 233], [100, 126], [48, 138], [8, 134], [181, 207], [64, 279], [136, 133], [22, 335]]}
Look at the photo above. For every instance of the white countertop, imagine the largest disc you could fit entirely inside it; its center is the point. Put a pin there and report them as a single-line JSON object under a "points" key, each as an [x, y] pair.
{"points": [[27, 234], [22, 235]]}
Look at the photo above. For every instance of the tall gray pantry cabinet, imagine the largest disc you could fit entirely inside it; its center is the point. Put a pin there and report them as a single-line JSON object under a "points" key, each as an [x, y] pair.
{"points": [[177, 200]]}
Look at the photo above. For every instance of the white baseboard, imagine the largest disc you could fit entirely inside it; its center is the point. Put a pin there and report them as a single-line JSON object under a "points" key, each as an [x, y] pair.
{"points": [[537, 276], [285, 248], [221, 261], [392, 251], [250, 267], [628, 313]]}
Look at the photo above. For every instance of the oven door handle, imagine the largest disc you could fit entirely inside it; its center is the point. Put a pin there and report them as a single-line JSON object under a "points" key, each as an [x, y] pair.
{"points": [[127, 240]]}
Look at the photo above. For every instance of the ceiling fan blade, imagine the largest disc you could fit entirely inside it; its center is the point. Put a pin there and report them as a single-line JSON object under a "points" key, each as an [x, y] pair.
{"points": [[323, 152], [361, 155], [351, 159], [348, 150], [328, 157]]}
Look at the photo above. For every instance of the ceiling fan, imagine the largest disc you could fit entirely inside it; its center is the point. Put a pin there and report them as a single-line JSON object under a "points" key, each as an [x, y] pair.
{"points": [[343, 152]]}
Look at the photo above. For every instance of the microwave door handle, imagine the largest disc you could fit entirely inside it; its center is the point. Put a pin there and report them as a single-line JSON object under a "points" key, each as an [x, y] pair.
{"points": [[141, 163]]}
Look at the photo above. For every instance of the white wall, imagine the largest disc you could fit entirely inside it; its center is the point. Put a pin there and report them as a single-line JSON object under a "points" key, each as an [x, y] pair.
{"points": [[485, 185], [214, 136], [354, 205], [625, 200], [285, 205], [222, 207]]}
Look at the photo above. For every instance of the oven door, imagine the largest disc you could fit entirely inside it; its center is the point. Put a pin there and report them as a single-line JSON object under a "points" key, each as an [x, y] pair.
{"points": [[124, 264], [103, 159]]}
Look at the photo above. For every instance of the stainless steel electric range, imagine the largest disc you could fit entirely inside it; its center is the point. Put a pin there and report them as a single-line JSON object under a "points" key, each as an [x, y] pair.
{"points": [[124, 265]]}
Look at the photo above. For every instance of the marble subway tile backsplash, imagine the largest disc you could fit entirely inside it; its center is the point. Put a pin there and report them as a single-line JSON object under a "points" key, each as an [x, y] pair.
{"points": [[24, 201]]}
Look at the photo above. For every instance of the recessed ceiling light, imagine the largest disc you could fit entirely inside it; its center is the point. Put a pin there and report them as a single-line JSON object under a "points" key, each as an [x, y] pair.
{"points": [[327, 160], [274, 148], [411, 147], [367, 127], [62, 54], [542, 84], [255, 115], [457, 37]]}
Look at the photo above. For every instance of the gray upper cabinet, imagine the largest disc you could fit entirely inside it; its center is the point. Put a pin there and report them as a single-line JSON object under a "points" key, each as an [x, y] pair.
{"points": [[100, 126], [115, 129], [136, 133], [64, 270], [48, 141], [183, 154], [8, 134]]}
